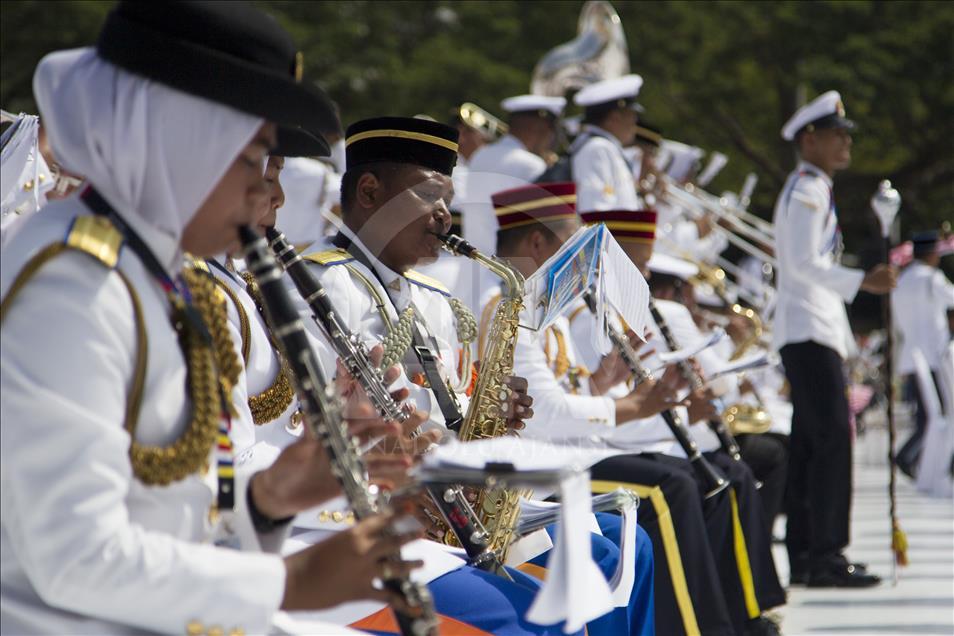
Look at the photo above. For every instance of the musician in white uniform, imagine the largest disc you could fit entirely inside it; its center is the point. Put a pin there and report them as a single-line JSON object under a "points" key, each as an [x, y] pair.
{"points": [[514, 160], [115, 481], [692, 538], [394, 201], [921, 305], [814, 337]]}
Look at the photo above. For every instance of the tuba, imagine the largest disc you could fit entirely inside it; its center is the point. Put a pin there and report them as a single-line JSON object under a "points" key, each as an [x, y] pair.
{"points": [[499, 508], [598, 52]]}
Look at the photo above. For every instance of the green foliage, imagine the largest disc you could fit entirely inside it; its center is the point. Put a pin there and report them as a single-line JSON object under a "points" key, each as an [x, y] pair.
{"points": [[721, 75]]}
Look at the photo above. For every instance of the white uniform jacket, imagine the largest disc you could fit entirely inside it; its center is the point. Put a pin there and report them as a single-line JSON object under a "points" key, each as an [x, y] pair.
{"points": [[812, 286], [358, 310], [496, 167], [261, 368], [650, 434], [86, 547], [603, 176], [920, 305]]}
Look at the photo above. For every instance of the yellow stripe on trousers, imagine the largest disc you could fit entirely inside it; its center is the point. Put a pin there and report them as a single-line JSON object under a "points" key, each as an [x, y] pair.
{"points": [[670, 546], [742, 560]]}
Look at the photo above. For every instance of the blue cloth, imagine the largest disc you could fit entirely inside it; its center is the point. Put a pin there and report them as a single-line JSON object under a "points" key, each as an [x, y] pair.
{"points": [[489, 602], [637, 618], [642, 618]]}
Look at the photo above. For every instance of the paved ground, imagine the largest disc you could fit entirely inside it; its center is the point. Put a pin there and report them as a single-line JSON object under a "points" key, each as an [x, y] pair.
{"points": [[923, 600]]}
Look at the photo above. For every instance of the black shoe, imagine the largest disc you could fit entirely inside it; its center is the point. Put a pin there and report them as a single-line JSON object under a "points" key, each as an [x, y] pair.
{"points": [[762, 626], [842, 575], [798, 577]]}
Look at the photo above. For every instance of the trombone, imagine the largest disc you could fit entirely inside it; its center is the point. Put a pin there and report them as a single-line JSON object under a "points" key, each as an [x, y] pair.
{"points": [[696, 201]]}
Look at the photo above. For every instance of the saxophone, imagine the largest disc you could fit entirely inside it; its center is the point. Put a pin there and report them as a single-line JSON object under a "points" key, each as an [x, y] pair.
{"points": [[498, 507]]}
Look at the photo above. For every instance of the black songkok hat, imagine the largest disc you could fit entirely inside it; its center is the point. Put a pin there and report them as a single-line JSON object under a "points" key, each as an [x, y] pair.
{"points": [[226, 52], [924, 243], [419, 142]]}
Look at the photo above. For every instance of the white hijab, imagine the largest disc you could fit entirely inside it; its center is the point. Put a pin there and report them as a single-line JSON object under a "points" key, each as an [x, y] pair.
{"points": [[153, 152]]}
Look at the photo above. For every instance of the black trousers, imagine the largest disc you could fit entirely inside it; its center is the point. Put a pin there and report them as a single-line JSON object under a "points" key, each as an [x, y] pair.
{"points": [[756, 533], [767, 456], [704, 538], [818, 498]]}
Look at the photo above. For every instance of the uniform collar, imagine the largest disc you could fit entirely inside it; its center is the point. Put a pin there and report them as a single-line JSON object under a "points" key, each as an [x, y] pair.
{"points": [[164, 246], [805, 166], [510, 140], [395, 284], [596, 131]]}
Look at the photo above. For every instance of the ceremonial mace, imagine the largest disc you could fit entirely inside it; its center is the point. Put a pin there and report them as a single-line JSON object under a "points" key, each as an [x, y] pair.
{"points": [[885, 203]]}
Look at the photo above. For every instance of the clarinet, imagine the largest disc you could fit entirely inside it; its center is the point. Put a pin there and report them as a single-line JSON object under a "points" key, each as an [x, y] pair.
{"points": [[451, 501], [726, 440], [715, 482], [323, 416]]}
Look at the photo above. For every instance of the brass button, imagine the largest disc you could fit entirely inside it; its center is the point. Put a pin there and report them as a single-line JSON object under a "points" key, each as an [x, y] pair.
{"points": [[237, 631], [215, 630], [195, 628], [28, 185]]}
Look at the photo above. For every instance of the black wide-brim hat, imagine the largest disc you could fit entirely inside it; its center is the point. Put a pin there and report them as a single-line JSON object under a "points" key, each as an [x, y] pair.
{"points": [[226, 52], [409, 140], [297, 142]]}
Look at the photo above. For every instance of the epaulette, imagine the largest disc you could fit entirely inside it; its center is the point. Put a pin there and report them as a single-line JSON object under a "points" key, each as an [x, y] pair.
{"points": [[96, 236], [427, 282], [197, 263], [334, 256]]}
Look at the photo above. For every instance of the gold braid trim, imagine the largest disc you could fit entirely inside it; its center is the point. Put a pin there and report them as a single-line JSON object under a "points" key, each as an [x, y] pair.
{"points": [[244, 326], [561, 363], [399, 336], [466, 333], [212, 372], [268, 405]]}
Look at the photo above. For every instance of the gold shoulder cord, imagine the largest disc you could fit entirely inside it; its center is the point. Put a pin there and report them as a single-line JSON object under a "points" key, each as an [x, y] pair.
{"points": [[212, 372], [399, 337], [244, 325], [189, 454], [268, 405]]}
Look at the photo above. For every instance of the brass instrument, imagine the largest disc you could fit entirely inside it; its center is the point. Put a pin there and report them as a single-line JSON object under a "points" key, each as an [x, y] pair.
{"points": [[748, 238], [744, 418], [479, 119], [598, 52], [740, 417], [498, 507]]}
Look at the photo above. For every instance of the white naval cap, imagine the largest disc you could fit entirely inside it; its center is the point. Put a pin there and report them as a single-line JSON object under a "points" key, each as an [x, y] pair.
{"points": [[530, 103], [825, 111], [618, 89], [671, 265]]}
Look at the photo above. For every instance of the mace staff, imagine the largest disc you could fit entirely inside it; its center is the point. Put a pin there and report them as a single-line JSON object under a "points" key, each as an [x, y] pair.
{"points": [[886, 202]]}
